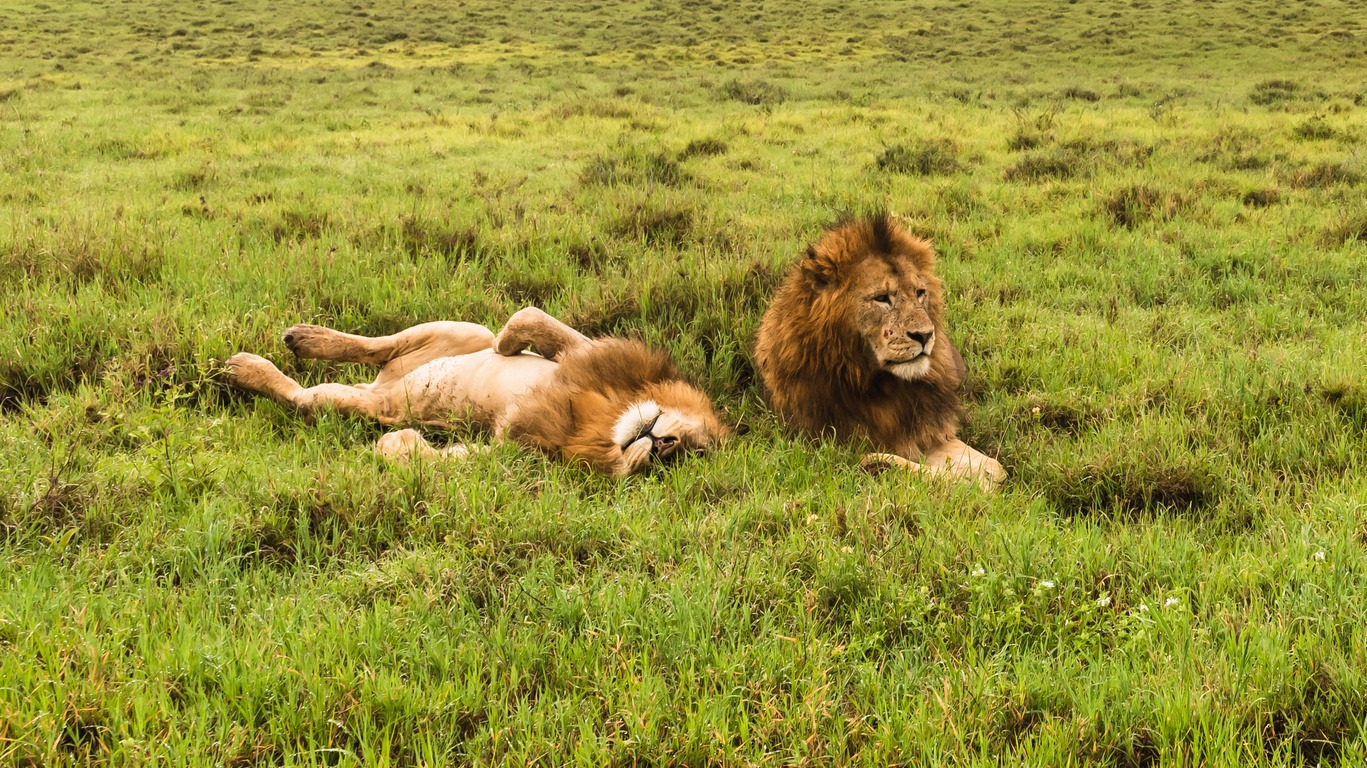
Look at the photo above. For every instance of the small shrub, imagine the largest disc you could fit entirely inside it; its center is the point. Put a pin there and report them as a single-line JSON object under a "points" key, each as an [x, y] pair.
{"points": [[703, 148], [1021, 141], [1261, 198], [1124, 152], [293, 225], [1129, 485], [81, 256], [655, 225], [1314, 719], [633, 166], [1233, 149], [604, 108], [191, 181], [587, 254], [756, 92], [19, 387], [1274, 91], [1315, 128], [610, 315], [119, 149], [1054, 163], [1349, 399], [419, 237], [1032, 131], [1134, 205], [1128, 91], [526, 288], [1350, 227], [841, 586], [1079, 93], [1061, 415], [1250, 162], [922, 158], [1322, 175]]}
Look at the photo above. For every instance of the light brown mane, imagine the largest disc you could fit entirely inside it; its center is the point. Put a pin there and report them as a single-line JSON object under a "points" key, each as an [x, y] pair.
{"points": [[820, 374], [573, 415]]}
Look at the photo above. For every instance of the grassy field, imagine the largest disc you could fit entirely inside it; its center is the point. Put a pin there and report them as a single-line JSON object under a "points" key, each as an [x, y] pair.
{"points": [[1153, 221]]}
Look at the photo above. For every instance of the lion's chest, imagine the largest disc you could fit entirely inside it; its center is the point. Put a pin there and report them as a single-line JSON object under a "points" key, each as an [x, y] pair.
{"points": [[478, 388]]}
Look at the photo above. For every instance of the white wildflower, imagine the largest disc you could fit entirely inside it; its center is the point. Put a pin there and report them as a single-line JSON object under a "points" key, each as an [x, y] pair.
{"points": [[1143, 607], [1319, 555], [978, 571], [1170, 602], [1047, 584], [1103, 601]]}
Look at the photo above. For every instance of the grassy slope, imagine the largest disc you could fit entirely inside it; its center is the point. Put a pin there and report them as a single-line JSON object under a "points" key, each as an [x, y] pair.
{"points": [[1151, 219]]}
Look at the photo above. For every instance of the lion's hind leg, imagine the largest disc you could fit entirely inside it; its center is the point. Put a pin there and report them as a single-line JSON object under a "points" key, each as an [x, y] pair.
{"points": [[410, 347], [531, 327], [256, 373]]}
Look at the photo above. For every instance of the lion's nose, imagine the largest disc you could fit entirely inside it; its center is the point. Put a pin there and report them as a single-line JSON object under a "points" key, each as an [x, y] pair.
{"points": [[920, 337], [665, 446]]}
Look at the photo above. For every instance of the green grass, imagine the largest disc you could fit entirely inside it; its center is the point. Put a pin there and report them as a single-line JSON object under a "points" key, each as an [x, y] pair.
{"points": [[1152, 225]]}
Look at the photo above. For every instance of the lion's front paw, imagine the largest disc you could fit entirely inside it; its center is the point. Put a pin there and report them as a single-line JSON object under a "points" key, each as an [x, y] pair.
{"points": [[991, 474], [308, 341], [407, 443], [877, 463], [402, 444]]}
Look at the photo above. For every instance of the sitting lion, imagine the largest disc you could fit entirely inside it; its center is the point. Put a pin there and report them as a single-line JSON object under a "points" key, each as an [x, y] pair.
{"points": [[855, 344], [610, 403]]}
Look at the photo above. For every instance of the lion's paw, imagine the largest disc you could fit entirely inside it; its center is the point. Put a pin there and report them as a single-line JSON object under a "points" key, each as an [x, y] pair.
{"points": [[401, 444], [877, 463], [308, 341], [246, 369], [991, 475]]}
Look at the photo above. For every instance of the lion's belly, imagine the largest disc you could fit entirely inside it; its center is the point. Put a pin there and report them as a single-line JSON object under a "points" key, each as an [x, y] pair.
{"points": [[477, 388]]}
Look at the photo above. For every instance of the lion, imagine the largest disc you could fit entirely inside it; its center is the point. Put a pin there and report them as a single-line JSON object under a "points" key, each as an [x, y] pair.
{"points": [[610, 403], [855, 344]]}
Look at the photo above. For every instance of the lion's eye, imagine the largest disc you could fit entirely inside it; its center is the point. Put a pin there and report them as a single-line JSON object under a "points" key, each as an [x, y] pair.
{"points": [[920, 294], [884, 298]]}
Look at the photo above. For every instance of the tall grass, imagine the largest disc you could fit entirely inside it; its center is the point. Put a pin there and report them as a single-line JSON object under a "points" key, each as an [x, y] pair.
{"points": [[1150, 225]]}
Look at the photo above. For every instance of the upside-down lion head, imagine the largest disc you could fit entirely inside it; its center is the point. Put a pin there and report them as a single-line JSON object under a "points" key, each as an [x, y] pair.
{"points": [[855, 339], [619, 407]]}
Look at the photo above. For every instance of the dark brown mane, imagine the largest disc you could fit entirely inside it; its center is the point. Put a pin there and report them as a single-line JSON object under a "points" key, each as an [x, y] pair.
{"points": [[819, 372]]}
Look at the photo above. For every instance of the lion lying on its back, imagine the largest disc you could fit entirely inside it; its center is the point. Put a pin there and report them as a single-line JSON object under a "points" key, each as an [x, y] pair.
{"points": [[610, 403], [854, 343]]}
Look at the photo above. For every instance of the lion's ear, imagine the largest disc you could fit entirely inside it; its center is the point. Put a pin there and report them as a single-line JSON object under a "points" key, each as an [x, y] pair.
{"points": [[819, 269]]}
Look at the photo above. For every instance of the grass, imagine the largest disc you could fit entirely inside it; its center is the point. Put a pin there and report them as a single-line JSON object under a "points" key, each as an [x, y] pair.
{"points": [[1152, 238]]}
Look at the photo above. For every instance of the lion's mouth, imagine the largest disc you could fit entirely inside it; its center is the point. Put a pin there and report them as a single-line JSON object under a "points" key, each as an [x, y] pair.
{"points": [[916, 358]]}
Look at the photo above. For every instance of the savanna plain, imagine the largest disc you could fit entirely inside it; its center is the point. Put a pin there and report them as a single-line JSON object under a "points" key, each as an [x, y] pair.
{"points": [[1151, 219]]}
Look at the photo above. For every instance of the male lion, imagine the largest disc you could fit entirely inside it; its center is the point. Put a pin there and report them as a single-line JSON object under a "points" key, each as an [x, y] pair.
{"points": [[854, 343], [610, 403]]}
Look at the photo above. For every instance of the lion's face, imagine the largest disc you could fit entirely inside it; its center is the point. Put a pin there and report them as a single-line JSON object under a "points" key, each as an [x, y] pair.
{"points": [[653, 432], [890, 303], [619, 407]]}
